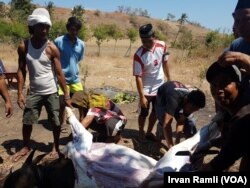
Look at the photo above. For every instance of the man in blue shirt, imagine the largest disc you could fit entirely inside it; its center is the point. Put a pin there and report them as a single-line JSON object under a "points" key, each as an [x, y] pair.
{"points": [[239, 51], [72, 51]]}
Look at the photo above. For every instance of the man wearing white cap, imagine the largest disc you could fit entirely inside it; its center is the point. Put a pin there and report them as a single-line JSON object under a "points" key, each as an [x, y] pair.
{"points": [[42, 59]]}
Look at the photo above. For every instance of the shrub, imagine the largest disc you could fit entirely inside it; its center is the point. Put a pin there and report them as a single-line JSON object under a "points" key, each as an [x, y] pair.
{"points": [[122, 97]]}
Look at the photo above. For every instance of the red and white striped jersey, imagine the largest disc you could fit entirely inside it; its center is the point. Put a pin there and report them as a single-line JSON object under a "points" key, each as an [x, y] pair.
{"points": [[149, 65]]}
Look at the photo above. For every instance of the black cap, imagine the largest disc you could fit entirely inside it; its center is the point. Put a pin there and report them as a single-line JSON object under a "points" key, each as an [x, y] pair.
{"points": [[242, 4], [146, 31], [216, 69]]}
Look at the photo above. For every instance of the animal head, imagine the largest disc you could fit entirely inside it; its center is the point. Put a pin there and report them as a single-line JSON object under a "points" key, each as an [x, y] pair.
{"points": [[23, 177], [51, 174]]}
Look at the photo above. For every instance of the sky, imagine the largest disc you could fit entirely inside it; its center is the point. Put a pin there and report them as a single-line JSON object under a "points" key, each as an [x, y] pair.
{"points": [[212, 14]]}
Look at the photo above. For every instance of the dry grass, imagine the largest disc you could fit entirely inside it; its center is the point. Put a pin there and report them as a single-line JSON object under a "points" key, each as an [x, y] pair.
{"points": [[113, 69]]}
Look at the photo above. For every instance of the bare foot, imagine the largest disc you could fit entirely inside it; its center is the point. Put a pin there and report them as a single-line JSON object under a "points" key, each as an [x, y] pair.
{"points": [[51, 156], [5, 171], [20, 154]]}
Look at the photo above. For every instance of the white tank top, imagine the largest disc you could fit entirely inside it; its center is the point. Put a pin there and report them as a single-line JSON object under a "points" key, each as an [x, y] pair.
{"points": [[41, 73]]}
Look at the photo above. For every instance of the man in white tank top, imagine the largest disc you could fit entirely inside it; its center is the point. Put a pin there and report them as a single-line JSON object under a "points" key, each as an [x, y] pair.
{"points": [[42, 59]]}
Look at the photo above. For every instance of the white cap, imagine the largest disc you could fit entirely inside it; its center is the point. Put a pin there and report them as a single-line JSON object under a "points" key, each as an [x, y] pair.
{"points": [[39, 15]]}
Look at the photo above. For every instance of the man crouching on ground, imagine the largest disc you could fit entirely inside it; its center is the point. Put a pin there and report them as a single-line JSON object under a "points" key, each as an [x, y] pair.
{"points": [[101, 115]]}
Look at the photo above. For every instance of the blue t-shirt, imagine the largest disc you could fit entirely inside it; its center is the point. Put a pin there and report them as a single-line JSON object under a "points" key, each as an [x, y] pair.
{"points": [[241, 45], [71, 55]]}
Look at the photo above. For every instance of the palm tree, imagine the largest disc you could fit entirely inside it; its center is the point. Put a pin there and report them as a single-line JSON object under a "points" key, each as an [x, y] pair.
{"points": [[182, 20], [50, 7]]}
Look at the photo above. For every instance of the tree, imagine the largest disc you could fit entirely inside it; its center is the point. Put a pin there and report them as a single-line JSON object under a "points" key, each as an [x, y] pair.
{"points": [[20, 10], [115, 33], [213, 40], [170, 17], [132, 34], [79, 12], [50, 7], [84, 33], [3, 9], [18, 32], [144, 13], [187, 43], [121, 9], [58, 29], [101, 34], [181, 21], [159, 35]]}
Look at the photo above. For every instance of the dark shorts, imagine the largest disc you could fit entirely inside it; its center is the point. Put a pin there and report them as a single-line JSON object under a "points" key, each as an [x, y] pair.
{"points": [[144, 111], [34, 104]]}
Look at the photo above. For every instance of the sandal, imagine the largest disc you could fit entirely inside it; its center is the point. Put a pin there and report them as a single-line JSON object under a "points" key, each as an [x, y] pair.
{"points": [[19, 155]]}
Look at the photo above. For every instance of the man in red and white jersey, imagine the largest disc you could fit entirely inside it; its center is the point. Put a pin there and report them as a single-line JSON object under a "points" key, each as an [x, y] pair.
{"points": [[150, 64]]}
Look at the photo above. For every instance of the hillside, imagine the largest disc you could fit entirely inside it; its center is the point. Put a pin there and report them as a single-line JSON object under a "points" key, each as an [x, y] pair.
{"points": [[124, 21]]}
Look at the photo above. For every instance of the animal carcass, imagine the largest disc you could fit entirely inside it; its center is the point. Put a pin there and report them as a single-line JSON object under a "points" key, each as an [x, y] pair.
{"points": [[105, 165]]}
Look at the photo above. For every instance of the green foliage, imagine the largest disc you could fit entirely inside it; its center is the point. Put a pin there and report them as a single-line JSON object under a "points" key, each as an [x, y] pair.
{"points": [[18, 32], [84, 33], [227, 40], [20, 10], [57, 30], [159, 35], [14, 31], [100, 33], [4, 30], [79, 12], [186, 41], [122, 97], [132, 34], [213, 40], [114, 32]]}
